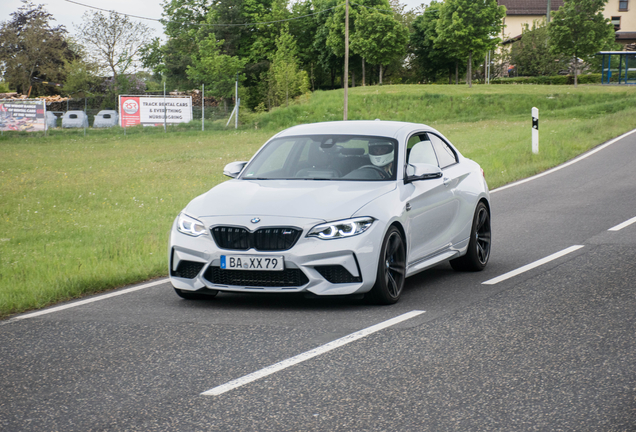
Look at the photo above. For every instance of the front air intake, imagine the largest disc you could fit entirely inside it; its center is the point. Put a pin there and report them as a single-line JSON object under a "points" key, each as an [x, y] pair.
{"points": [[288, 278]]}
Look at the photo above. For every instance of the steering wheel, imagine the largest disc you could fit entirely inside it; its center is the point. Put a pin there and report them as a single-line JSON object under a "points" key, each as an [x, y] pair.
{"points": [[383, 174]]}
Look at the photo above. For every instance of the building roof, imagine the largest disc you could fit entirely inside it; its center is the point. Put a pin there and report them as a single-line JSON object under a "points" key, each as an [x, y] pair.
{"points": [[625, 35], [529, 7]]}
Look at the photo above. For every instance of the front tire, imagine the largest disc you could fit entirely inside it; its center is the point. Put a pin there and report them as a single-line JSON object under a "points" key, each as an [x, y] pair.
{"points": [[478, 252], [194, 295], [391, 269]]}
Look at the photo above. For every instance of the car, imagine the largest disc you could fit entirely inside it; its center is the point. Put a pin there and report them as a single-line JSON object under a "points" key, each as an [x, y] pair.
{"points": [[106, 119], [335, 208]]}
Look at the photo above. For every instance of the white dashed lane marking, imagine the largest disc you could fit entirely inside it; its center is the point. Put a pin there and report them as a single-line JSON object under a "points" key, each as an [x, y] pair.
{"points": [[623, 225], [531, 266], [309, 354]]}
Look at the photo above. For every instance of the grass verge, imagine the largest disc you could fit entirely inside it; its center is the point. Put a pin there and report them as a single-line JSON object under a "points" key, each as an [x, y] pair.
{"points": [[84, 214]]}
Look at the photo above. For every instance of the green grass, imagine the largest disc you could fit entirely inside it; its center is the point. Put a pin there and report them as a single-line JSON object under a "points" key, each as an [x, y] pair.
{"points": [[85, 214]]}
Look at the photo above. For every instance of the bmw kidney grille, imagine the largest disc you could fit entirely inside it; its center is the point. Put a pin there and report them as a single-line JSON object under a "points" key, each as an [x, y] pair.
{"points": [[264, 239]]}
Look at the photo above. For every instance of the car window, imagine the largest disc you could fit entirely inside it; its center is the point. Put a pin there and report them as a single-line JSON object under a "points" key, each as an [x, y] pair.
{"points": [[445, 154], [420, 150], [276, 156], [325, 157]]}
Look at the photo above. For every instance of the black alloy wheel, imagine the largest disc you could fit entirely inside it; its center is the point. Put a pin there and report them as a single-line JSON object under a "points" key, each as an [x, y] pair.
{"points": [[391, 269], [478, 252]]}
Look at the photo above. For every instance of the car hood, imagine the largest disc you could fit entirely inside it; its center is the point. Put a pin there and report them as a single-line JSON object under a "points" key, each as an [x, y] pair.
{"points": [[326, 200]]}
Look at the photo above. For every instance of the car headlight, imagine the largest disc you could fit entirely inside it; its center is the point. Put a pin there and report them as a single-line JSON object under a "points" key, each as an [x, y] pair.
{"points": [[341, 229], [190, 226]]}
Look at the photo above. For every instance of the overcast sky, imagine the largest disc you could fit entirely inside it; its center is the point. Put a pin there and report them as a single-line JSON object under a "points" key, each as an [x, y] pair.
{"points": [[67, 13]]}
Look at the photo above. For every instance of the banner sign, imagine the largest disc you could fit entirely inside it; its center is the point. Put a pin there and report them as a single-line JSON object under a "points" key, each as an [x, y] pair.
{"points": [[23, 115], [151, 111]]}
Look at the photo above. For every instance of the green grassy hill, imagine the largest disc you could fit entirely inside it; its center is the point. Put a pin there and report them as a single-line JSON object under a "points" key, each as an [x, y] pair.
{"points": [[433, 105]]}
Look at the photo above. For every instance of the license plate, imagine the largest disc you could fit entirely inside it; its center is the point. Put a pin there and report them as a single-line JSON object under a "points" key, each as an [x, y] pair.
{"points": [[249, 262]]}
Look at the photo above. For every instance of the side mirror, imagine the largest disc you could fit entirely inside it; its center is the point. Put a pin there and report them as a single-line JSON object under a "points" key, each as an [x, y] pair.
{"points": [[233, 169], [422, 171]]}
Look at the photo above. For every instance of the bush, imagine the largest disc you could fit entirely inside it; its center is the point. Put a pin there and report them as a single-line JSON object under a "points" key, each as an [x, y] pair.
{"points": [[550, 80]]}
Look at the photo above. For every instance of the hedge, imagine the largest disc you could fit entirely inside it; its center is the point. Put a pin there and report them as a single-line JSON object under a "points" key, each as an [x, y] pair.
{"points": [[554, 80]]}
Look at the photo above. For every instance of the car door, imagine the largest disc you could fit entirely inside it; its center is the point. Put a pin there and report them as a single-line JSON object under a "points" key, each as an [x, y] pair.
{"points": [[431, 205]]}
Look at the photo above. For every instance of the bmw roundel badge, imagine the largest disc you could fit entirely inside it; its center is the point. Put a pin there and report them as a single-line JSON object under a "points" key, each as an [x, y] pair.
{"points": [[256, 220]]}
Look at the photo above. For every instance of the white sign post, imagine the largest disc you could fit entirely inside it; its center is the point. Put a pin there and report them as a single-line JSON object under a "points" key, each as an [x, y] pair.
{"points": [[535, 130]]}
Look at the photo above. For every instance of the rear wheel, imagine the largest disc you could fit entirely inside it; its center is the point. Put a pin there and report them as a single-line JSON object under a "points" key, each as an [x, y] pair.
{"points": [[391, 269], [478, 252], [195, 295]]}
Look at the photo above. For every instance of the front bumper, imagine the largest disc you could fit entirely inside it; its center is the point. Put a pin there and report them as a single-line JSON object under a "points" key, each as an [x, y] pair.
{"points": [[322, 267]]}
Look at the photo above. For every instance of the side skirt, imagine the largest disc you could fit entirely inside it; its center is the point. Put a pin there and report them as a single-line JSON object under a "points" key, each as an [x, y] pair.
{"points": [[447, 253]]}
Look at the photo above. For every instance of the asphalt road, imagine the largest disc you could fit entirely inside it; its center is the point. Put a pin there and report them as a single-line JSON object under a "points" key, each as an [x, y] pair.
{"points": [[552, 348]]}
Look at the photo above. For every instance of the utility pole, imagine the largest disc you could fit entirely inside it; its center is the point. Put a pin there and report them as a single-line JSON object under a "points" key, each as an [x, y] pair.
{"points": [[346, 71]]}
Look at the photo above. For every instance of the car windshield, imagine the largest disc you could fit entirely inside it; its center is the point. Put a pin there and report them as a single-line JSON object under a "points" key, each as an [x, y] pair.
{"points": [[325, 157]]}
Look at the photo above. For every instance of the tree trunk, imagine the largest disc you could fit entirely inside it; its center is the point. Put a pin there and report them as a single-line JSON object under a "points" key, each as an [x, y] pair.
{"points": [[576, 71], [353, 79], [469, 74], [450, 75], [313, 79], [225, 104], [333, 79], [286, 88], [364, 74], [380, 74], [456, 72]]}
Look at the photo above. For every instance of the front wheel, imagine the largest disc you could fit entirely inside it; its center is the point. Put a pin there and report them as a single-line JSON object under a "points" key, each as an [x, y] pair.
{"points": [[391, 269], [478, 252]]}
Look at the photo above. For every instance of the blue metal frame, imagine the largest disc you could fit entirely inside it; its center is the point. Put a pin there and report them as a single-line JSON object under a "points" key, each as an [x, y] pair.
{"points": [[606, 70]]}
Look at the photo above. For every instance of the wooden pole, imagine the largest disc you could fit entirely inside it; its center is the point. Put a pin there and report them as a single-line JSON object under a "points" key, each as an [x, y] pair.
{"points": [[346, 68]]}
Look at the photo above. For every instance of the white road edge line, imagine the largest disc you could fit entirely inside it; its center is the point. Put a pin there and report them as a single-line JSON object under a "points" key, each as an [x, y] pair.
{"points": [[309, 354], [567, 164], [83, 302], [532, 265], [623, 225]]}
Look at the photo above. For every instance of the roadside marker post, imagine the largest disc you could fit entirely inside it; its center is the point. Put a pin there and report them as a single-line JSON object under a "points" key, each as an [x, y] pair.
{"points": [[535, 130]]}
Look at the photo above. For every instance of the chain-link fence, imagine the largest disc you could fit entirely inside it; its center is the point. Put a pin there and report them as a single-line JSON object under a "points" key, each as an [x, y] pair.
{"points": [[206, 113]]}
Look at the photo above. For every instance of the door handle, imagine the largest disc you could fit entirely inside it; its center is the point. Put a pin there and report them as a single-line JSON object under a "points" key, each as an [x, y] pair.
{"points": [[408, 206], [447, 181]]}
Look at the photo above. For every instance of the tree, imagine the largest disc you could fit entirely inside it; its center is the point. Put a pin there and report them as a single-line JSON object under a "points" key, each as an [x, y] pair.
{"points": [[30, 47], [286, 79], [325, 56], [429, 58], [81, 77], [579, 30], [379, 38], [531, 55], [217, 71], [113, 41], [182, 21], [470, 27]]}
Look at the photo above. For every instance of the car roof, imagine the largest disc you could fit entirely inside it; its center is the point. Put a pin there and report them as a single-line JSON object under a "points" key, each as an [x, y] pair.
{"points": [[353, 127]]}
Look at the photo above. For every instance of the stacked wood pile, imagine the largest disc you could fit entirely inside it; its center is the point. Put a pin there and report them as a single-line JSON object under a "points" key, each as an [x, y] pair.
{"points": [[48, 99]]}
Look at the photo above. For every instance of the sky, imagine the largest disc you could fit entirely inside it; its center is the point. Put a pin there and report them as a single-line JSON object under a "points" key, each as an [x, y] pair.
{"points": [[67, 13]]}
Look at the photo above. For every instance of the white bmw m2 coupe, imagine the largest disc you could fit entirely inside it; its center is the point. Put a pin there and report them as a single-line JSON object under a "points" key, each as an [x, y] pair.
{"points": [[338, 208]]}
